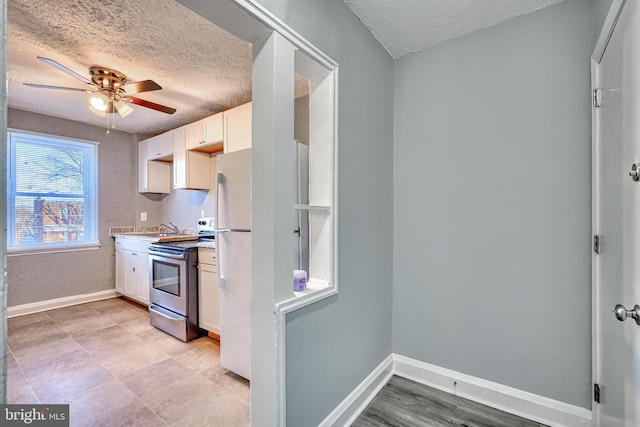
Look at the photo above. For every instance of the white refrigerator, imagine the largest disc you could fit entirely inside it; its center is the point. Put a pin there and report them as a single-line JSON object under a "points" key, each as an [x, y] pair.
{"points": [[301, 254], [233, 247]]}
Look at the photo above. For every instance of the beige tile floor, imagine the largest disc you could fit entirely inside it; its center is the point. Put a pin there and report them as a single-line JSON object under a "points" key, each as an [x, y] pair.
{"points": [[114, 369]]}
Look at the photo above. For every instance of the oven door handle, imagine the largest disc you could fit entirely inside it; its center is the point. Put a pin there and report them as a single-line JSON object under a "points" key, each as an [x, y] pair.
{"points": [[154, 309], [165, 255]]}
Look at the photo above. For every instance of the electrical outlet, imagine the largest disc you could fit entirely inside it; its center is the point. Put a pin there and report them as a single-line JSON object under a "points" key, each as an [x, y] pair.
{"points": [[143, 216]]}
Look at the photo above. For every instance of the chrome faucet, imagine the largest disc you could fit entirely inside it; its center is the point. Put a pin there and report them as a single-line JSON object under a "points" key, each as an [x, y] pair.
{"points": [[174, 229]]}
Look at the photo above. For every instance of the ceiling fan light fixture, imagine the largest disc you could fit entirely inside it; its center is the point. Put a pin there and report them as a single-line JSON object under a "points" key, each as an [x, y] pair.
{"points": [[99, 102], [122, 108], [97, 112]]}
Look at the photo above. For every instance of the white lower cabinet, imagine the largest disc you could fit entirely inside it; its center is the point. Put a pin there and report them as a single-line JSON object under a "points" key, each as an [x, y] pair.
{"points": [[209, 299], [132, 269]]}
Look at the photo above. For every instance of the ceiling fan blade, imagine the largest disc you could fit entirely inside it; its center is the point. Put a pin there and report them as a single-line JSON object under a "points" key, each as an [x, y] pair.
{"points": [[64, 69], [143, 86], [149, 104], [57, 87]]}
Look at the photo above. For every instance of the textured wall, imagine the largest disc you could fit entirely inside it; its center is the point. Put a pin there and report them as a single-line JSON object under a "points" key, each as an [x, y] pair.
{"points": [[35, 278], [492, 188]]}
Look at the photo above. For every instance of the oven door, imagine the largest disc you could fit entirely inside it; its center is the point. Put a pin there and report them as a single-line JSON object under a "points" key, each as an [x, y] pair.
{"points": [[168, 278]]}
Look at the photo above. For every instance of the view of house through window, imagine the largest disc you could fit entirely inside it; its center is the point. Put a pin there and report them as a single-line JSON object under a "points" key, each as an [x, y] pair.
{"points": [[51, 192]]}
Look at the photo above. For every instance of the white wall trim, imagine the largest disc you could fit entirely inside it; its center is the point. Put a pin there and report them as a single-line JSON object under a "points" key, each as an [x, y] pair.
{"points": [[615, 10], [36, 307], [353, 405], [518, 402]]}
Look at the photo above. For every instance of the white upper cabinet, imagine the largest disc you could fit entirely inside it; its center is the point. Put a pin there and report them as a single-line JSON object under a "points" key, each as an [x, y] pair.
{"points": [[189, 149], [191, 169], [206, 135], [154, 176], [160, 147], [237, 128]]}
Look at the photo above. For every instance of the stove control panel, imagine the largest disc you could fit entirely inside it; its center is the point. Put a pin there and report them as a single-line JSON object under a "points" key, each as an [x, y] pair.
{"points": [[206, 224]]}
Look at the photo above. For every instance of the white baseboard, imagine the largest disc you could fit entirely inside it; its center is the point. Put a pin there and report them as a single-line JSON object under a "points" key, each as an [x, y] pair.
{"points": [[36, 307], [353, 405], [518, 402], [514, 401]]}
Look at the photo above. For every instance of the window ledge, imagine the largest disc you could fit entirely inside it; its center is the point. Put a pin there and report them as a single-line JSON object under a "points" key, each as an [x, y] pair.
{"points": [[316, 290], [89, 246]]}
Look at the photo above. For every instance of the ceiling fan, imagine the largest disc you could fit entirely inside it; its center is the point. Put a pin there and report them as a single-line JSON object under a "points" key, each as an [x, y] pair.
{"points": [[110, 89]]}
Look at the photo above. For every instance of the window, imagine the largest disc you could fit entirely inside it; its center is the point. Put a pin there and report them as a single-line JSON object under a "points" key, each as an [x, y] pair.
{"points": [[52, 195]]}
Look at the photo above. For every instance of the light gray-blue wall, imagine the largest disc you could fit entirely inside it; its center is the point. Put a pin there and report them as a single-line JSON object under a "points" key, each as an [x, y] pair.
{"points": [[333, 345], [601, 10], [492, 202]]}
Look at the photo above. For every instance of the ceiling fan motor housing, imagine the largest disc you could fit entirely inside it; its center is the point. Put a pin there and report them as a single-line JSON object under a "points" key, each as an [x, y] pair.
{"points": [[106, 78]]}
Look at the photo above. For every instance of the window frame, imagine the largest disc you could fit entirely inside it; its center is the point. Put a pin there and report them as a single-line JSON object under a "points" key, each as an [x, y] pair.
{"points": [[89, 193]]}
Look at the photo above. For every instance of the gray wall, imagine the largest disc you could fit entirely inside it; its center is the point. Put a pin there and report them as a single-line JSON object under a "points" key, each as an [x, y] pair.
{"points": [[601, 10], [333, 345], [35, 278], [492, 200]]}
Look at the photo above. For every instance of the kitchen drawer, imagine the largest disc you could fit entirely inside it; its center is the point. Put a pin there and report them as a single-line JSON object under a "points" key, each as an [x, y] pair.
{"points": [[135, 245], [207, 256]]}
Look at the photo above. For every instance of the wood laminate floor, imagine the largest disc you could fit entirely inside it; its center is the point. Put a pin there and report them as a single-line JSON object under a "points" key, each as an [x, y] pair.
{"points": [[406, 403]]}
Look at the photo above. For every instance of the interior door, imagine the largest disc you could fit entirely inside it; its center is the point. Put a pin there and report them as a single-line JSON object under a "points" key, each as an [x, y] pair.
{"points": [[617, 221]]}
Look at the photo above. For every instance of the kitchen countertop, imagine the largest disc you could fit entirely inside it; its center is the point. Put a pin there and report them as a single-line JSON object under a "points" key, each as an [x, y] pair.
{"points": [[156, 237], [152, 234], [210, 245]]}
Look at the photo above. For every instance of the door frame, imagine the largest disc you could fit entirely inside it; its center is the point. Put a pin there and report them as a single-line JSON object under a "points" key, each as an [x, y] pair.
{"points": [[615, 10]]}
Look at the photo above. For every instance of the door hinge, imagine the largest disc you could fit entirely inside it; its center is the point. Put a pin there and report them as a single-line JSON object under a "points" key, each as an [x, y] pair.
{"points": [[597, 97], [596, 244], [596, 393]]}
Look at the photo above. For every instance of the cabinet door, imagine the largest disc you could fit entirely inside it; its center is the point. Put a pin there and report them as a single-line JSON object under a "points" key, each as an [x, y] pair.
{"points": [[131, 262], [136, 276], [179, 157], [160, 146], [237, 128], [142, 278], [143, 181], [214, 129], [209, 299], [158, 176], [190, 169], [198, 170], [206, 135], [154, 176], [194, 134], [121, 266]]}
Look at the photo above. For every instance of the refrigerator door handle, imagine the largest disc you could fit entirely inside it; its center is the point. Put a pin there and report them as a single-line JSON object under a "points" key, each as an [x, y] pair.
{"points": [[221, 279]]}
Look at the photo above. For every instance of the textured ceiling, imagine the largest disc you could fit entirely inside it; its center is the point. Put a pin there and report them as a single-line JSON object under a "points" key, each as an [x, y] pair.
{"points": [[406, 26], [201, 68]]}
